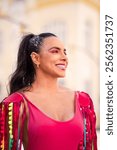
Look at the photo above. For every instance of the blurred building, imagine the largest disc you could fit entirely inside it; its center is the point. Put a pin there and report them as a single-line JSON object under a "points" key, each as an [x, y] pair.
{"points": [[76, 22]]}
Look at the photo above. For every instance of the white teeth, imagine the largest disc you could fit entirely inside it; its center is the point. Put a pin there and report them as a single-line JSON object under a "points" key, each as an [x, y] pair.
{"points": [[61, 66]]}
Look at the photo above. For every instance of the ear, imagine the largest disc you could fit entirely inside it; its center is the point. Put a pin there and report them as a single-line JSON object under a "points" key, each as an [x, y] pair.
{"points": [[35, 58]]}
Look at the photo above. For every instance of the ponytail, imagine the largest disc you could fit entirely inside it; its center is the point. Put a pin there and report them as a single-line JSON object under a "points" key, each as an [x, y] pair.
{"points": [[24, 74]]}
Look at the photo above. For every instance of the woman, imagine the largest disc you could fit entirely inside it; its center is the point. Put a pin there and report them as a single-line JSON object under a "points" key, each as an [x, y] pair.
{"points": [[39, 112]]}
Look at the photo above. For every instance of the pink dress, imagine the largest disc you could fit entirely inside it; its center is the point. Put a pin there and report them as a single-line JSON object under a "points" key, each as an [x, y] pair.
{"points": [[45, 133]]}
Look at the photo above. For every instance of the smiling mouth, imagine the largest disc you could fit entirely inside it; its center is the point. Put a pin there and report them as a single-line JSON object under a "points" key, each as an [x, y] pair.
{"points": [[61, 66]]}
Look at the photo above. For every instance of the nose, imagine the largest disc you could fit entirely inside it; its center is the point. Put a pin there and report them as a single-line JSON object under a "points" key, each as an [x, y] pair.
{"points": [[64, 57]]}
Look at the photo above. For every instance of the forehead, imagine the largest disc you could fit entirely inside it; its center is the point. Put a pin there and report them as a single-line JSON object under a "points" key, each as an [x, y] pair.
{"points": [[52, 42]]}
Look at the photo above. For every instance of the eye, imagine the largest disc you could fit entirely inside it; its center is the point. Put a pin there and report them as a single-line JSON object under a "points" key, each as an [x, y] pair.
{"points": [[65, 52], [54, 51]]}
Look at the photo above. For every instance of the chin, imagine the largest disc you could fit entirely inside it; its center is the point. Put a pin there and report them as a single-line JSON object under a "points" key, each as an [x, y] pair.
{"points": [[61, 75]]}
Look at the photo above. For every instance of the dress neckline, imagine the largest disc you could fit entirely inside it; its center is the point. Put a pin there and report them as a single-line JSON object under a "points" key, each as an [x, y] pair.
{"points": [[76, 96]]}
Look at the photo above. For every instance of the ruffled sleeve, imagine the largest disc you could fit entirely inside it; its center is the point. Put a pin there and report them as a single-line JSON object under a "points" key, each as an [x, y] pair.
{"points": [[89, 141], [11, 122]]}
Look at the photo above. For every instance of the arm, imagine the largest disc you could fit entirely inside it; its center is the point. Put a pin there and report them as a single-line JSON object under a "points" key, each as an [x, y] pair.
{"points": [[11, 120], [90, 137]]}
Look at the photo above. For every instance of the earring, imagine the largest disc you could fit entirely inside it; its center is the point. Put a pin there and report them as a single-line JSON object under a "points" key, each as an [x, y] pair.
{"points": [[37, 65]]}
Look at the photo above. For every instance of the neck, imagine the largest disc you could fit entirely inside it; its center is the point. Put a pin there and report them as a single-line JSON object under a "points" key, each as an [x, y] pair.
{"points": [[45, 83]]}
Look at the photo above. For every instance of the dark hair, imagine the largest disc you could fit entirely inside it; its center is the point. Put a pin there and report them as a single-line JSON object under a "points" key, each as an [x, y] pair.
{"points": [[23, 76]]}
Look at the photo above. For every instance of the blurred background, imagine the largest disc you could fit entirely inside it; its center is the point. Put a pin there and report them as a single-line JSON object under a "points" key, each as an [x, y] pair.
{"points": [[75, 22]]}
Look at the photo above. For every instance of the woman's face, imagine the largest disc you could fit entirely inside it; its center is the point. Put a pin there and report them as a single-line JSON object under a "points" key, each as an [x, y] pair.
{"points": [[53, 58]]}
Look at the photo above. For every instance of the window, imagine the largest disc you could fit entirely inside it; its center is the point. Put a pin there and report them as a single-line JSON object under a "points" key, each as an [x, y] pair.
{"points": [[56, 27], [1, 41], [88, 29]]}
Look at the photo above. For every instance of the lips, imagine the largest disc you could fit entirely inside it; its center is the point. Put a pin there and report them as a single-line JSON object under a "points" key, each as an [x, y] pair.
{"points": [[61, 66]]}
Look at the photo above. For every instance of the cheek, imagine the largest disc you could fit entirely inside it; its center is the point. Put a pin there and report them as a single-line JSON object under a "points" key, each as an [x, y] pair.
{"points": [[47, 62], [49, 59]]}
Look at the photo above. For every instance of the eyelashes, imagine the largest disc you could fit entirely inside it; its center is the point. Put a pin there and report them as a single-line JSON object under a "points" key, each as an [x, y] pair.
{"points": [[57, 51], [54, 51], [65, 52]]}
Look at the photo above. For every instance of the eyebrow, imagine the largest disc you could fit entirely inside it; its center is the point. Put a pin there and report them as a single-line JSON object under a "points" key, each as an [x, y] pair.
{"points": [[57, 48]]}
